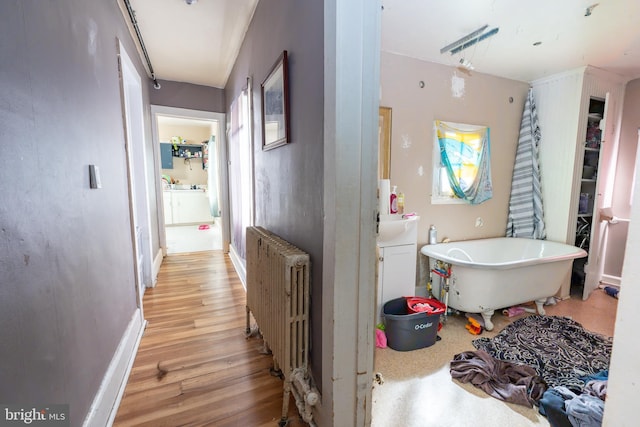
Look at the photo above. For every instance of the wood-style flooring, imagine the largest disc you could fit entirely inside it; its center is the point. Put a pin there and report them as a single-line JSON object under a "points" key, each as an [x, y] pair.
{"points": [[194, 366]]}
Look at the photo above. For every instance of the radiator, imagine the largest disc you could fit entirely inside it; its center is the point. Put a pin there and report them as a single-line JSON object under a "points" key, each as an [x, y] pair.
{"points": [[278, 298]]}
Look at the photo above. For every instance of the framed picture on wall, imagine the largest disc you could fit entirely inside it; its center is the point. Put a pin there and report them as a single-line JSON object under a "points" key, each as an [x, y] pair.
{"points": [[275, 105]]}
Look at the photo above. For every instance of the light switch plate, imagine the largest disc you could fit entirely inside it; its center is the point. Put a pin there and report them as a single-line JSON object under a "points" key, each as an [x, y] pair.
{"points": [[94, 177]]}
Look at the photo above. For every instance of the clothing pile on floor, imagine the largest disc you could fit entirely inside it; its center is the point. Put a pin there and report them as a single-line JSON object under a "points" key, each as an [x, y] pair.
{"points": [[564, 408], [545, 361], [503, 380]]}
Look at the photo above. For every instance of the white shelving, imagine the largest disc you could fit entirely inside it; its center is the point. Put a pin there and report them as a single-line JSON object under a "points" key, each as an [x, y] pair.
{"points": [[588, 186]]}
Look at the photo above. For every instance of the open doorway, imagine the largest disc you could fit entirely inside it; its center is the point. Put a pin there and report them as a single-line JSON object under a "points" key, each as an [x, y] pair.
{"points": [[189, 147]]}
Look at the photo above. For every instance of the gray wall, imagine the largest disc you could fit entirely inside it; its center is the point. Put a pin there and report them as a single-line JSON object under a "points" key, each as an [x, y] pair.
{"points": [[289, 179], [66, 267], [187, 95]]}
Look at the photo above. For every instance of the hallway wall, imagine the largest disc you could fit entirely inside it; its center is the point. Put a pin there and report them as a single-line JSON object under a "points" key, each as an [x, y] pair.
{"points": [[289, 179], [67, 288], [187, 95]]}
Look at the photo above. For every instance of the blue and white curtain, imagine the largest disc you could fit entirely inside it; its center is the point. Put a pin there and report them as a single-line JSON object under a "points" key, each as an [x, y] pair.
{"points": [[525, 205], [465, 153]]}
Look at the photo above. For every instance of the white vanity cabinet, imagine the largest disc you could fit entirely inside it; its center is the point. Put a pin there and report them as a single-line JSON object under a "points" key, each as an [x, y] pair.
{"points": [[186, 207], [396, 273], [565, 106], [397, 258]]}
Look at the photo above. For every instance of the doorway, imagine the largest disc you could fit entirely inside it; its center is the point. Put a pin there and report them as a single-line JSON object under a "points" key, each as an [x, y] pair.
{"points": [[191, 186]]}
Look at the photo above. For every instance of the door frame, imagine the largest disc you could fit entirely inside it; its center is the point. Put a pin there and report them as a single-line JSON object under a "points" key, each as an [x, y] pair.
{"points": [[134, 137], [185, 113]]}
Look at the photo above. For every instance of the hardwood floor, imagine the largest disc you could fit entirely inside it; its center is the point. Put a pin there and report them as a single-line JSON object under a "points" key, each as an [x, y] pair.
{"points": [[194, 366]]}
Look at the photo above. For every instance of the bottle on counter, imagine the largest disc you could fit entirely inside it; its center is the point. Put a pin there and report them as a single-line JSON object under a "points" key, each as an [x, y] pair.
{"points": [[393, 201], [400, 201], [433, 235]]}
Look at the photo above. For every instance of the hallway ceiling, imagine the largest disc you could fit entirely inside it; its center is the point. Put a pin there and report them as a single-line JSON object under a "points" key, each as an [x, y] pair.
{"points": [[196, 43], [199, 43]]}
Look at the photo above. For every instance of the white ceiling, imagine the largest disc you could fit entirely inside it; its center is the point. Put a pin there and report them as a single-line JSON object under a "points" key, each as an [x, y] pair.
{"points": [[199, 43], [195, 43], [609, 38]]}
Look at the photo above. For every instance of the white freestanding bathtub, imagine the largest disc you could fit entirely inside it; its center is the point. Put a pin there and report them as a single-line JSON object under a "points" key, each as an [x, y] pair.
{"points": [[496, 273]]}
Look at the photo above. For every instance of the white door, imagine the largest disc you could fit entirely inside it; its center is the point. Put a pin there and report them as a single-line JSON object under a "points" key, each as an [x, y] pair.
{"points": [[131, 92]]}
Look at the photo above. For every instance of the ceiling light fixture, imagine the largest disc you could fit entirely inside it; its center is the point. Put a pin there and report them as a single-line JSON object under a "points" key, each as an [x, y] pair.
{"points": [[450, 47], [466, 64], [190, 2], [469, 40]]}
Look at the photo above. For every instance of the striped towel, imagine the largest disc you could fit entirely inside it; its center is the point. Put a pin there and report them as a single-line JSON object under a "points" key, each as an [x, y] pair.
{"points": [[525, 205]]}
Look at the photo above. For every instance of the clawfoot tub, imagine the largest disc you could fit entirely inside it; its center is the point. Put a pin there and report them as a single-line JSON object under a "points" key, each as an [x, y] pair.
{"points": [[492, 274]]}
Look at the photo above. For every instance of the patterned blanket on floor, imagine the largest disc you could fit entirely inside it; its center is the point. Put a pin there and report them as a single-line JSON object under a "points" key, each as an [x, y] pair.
{"points": [[561, 351]]}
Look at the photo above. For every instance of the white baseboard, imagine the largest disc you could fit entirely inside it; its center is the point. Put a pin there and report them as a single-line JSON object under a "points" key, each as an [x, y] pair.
{"points": [[239, 265], [611, 280], [157, 262], [106, 401]]}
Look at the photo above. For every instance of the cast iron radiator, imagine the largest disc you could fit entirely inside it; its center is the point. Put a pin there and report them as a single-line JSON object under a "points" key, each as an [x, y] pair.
{"points": [[278, 298]]}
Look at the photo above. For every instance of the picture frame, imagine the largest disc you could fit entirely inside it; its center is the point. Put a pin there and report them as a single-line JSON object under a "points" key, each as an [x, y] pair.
{"points": [[275, 105]]}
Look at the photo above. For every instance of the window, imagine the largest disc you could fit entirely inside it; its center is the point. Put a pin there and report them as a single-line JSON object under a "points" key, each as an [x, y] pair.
{"points": [[461, 164]]}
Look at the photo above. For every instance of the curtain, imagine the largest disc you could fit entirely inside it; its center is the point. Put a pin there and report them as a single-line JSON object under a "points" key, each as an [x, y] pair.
{"points": [[240, 171], [210, 161], [465, 153], [525, 205]]}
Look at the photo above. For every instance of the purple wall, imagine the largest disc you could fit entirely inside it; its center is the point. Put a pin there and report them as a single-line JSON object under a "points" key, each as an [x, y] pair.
{"points": [[187, 95], [66, 266], [289, 179]]}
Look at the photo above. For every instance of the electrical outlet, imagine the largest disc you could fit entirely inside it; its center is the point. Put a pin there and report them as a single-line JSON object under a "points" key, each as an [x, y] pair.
{"points": [[479, 222]]}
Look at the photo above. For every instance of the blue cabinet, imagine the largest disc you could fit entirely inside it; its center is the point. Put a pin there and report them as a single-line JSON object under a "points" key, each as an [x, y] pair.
{"points": [[166, 155]]}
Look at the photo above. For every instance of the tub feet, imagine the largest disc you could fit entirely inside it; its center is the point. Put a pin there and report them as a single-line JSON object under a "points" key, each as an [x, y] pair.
{"points": [[486, 316], [540, 306]]}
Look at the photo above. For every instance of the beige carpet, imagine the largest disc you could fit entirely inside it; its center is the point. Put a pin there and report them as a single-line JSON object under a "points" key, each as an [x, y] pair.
{"points": [[417, 389]]}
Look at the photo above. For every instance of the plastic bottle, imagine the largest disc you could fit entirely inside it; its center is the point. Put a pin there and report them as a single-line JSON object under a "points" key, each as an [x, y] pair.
{"points": [[400, 201], [433, 235], [393, 201]]}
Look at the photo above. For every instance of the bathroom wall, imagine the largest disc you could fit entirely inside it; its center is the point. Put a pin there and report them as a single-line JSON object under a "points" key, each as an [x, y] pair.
{"points": [[452, 95]]}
